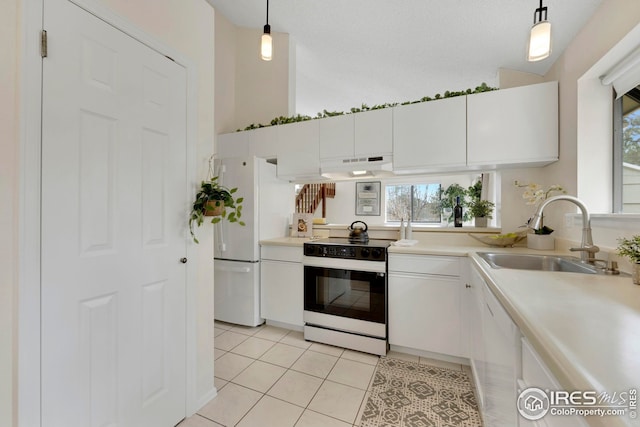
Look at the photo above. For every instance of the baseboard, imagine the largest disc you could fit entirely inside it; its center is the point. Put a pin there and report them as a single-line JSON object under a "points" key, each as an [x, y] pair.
{"points": [[204, 399], [430, 355], [284, 325]]}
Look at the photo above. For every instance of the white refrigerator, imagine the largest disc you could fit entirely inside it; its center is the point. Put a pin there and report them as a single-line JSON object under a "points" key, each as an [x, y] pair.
{"points": [[267, 207]]}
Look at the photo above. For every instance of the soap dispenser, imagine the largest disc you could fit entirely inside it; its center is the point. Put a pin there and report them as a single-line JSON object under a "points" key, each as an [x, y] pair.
{"points": [[402, 229], [408, 233]]}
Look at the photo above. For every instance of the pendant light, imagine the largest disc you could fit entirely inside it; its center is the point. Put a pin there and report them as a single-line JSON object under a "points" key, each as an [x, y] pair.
{"points": [[266, 47], [540, 38]]}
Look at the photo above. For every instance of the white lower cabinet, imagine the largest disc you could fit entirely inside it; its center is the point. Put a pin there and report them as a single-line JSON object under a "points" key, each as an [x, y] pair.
{"points": [[425, 303], [536, 374], [501, 368], [282, 284], [504, 363]]}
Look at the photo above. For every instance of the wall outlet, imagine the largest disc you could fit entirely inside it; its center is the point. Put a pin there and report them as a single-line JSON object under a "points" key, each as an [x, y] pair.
{"points": [[568, 220]]}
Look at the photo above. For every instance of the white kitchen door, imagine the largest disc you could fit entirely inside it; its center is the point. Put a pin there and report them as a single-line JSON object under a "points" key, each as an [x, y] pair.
{"points": [[114, 209]]}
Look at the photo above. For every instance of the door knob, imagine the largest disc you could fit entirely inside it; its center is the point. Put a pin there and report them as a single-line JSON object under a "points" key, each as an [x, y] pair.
{"points": [[183, 260]]}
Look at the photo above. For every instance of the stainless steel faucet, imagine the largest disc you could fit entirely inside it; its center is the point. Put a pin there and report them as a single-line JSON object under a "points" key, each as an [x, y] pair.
{"points": [[587, 249]]}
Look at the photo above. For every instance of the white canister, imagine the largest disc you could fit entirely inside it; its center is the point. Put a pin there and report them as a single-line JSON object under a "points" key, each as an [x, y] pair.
{"points": [[541, 242]]}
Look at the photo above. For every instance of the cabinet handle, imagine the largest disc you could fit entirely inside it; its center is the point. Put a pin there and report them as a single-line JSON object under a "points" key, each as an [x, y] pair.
{"points": [[489, 308], [466, 285]]}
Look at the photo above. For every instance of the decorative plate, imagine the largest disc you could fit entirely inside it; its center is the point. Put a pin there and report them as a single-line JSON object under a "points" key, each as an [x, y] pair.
{"points": [[500, 240]]}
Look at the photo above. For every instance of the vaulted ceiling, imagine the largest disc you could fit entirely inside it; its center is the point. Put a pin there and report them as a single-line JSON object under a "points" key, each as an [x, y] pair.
{"points": [[350, 52]]}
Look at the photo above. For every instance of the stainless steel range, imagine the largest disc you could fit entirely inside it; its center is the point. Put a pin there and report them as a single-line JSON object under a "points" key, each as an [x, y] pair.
{"points": [[345, 293]]}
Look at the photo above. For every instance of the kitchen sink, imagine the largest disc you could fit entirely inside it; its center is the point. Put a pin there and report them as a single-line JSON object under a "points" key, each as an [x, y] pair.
{"points": [[537, 262]]}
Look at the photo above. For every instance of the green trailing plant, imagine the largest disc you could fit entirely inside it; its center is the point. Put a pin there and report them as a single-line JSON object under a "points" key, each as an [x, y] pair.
{"points": [[211, 195], [364, 107], [479, 208], [630, 248]]}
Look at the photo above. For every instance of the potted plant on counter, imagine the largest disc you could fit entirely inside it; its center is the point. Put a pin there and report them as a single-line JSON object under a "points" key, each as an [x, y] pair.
{"points": [[216, 201], [535, 194], [630, 248], [481, 210]]}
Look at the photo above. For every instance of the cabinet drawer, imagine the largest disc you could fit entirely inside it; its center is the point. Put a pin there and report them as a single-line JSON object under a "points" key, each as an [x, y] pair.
{"points": [[282, 253], [425, 264]]}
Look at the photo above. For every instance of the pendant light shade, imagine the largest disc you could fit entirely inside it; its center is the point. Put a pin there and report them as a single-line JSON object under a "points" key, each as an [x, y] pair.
{"points": [[540, 37], [266, 45]]}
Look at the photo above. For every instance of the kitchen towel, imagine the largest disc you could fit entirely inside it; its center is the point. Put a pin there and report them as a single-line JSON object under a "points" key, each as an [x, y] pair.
{"points": [[404, 242]]}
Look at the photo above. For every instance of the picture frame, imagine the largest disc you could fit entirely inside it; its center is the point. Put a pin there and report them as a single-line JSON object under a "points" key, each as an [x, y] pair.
{"points": [[302, 225], [368, 198]]}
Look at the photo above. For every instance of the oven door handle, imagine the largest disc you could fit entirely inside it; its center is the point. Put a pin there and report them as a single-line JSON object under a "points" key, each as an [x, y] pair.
{"points": [[345, 264]]}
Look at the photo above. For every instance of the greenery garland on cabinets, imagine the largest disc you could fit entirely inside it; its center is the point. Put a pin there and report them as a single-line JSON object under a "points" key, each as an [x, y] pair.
{"points": [[282, 120]]}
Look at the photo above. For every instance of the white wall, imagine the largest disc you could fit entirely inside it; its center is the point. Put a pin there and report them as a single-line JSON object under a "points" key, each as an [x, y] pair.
{"points": [[248, 89], [184, 26], [9, 39], [578, 163]]}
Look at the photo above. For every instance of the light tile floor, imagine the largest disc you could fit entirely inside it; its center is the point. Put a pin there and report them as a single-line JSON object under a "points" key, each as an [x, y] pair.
{"points": [[268, 376]]}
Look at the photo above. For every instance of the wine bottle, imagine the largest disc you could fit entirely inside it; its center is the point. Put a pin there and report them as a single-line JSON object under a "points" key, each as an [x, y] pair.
{"points": [[457, 213]]}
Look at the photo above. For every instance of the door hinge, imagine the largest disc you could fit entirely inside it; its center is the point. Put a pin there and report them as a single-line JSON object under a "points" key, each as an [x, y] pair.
{"points": [[43, 43]]}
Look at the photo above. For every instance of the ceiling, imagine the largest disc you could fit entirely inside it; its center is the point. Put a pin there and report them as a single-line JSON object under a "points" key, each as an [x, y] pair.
{"points": [[350, 52]]}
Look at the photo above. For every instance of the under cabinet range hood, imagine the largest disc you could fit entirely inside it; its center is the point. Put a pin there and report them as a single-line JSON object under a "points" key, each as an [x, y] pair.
{"points": [[357, 167]]}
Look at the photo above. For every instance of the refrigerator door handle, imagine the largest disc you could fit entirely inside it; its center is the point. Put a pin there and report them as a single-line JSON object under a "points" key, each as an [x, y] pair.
{"points": [[234, 269], [222, 246]]}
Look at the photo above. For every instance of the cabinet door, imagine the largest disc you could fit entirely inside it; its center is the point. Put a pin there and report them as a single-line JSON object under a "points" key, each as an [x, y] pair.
{"points": [[298, 150], [235, 144], [263, 142], [430, 136], [476, 336], [502, 351], [336, 137], [373, 132], [282, 292], [424, 313], [512, 127]]}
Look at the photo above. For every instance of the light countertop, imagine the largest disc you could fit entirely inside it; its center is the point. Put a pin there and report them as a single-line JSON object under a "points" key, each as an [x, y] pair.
{"points": [[585, 327]]}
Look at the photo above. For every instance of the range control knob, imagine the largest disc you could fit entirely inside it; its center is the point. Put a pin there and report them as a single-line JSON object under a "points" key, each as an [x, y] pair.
{"points": [[376, 253], [309, 250], [364, 252]]}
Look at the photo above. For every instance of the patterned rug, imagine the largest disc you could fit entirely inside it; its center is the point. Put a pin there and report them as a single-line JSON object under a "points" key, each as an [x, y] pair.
{"points": [[407, 394]]}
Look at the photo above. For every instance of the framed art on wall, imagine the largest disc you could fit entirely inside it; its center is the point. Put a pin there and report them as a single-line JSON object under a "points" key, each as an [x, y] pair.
{"points": [[368, 198]]}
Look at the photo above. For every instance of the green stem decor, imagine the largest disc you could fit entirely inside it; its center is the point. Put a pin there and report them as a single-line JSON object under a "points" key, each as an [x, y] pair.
{"points": [[282, 120]]}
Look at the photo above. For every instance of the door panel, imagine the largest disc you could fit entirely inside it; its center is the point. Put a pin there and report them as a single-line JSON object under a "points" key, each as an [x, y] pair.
{"points": [[113, 227]]}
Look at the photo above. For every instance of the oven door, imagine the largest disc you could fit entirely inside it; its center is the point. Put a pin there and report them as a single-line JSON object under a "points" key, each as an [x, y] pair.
{"points": [[359, 295]]}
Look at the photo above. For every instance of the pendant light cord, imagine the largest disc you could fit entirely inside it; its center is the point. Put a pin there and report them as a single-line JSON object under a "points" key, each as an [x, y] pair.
{"points": [[268, 11]]}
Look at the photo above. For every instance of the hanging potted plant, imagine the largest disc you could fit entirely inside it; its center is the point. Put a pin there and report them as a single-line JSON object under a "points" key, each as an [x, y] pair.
{"points": [[630, 248], [481, 210], [216, 201]]}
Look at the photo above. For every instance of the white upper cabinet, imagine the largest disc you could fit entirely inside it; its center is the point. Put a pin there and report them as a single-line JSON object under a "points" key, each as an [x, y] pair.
{"points": [[430, 136], [263, 142], [336, 136], [235, 144], [299, 151], [373, 133], [513, 127], [365, 134]]}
